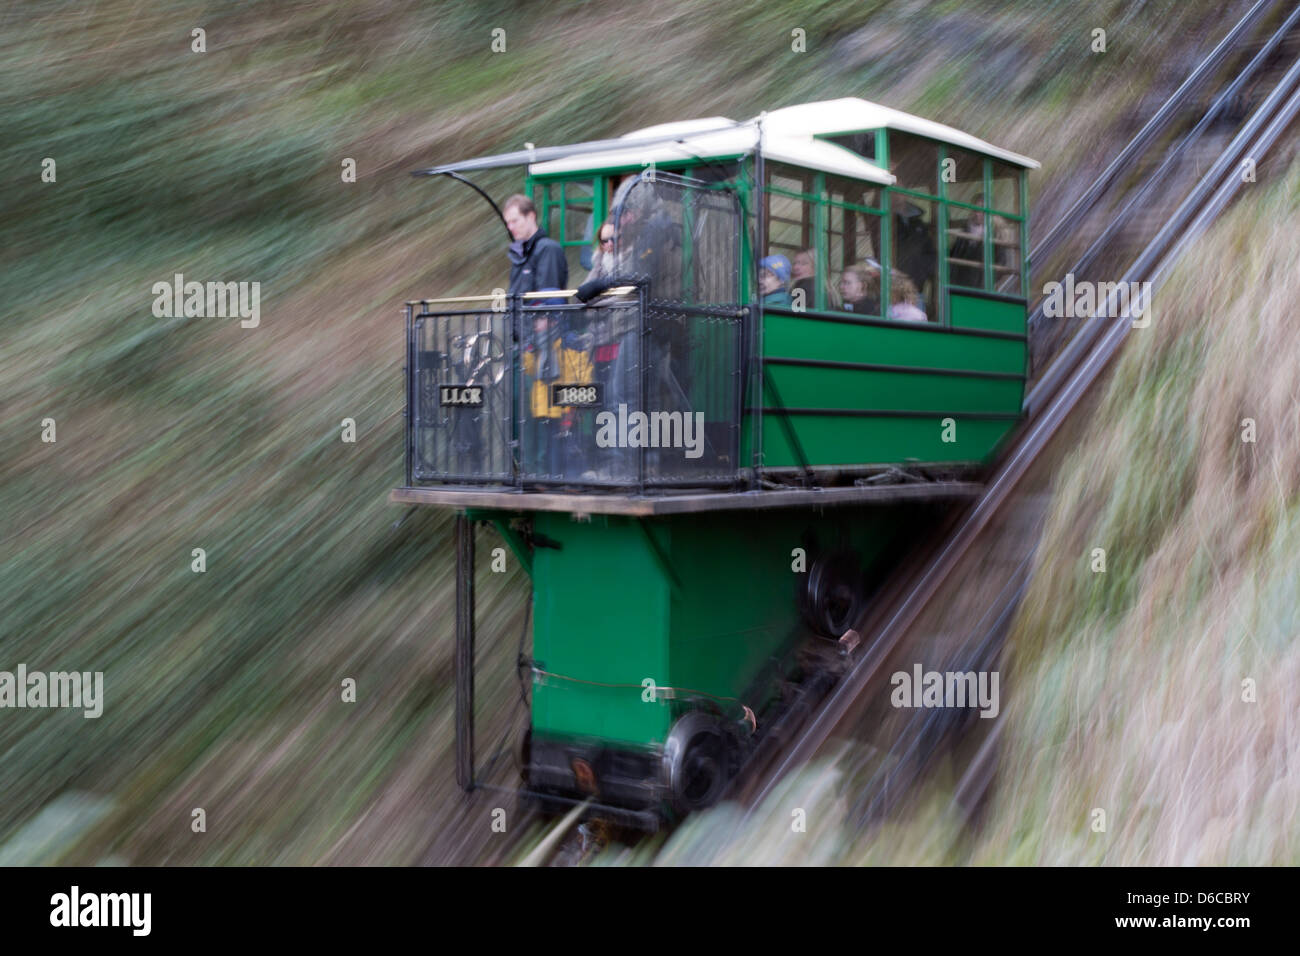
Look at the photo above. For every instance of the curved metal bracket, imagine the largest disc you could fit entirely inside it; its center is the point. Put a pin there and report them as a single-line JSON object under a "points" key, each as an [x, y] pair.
{"points": [[495, 208]]}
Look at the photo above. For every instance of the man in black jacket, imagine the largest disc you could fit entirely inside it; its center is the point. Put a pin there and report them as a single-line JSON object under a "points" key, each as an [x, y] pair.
{"points": [[536, 261], [537, 264]]}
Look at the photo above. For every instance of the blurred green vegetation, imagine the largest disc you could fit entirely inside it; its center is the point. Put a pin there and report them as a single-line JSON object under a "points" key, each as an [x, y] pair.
{"points": [[223, 688]]}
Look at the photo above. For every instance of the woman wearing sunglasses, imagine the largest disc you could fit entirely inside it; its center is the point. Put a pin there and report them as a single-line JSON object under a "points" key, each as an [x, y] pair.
{"points": [[602, 257]]}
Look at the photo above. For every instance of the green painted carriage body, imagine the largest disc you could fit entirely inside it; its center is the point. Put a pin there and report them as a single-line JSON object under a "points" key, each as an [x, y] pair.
{"points": [[705, 603], [869, 392]]}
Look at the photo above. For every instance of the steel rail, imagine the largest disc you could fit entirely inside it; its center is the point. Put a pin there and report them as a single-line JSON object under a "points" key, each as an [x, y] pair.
{"points": [[1154, 126], [1140, 194], [1083, 340], [975, 782]]}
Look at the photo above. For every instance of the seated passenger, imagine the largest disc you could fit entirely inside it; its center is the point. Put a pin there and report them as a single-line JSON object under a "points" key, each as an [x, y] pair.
{"points": [[860, 287], [804, 271], [773, 279], [905, 300]]}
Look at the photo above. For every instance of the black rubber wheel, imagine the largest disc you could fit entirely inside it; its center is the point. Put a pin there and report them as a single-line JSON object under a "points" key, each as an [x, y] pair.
{"points": [[704, 772], [833, 599], [698, 762]]}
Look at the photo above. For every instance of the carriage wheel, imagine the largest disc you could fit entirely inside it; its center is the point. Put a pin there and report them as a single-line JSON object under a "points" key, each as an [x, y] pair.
{"points": [[834, 594], [697, 760]]}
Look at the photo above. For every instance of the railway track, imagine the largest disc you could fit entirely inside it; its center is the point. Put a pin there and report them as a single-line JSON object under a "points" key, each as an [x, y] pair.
{"points": [[1212, 196], [1073, 364]]}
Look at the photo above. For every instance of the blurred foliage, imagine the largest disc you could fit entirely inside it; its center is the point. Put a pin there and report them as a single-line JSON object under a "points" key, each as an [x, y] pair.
{"points": [[223, 688]]}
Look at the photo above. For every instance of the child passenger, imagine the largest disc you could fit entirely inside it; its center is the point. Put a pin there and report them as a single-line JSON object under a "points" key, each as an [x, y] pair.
{"points": [[774, 281], [860, 289]]}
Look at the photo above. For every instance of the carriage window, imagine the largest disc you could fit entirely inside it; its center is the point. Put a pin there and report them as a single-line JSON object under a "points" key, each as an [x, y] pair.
{"points": [[579, 202], [789, 225], [790, 180], [852, 245], [567, 213], [852, 278], [963, 173], [1008, 252], [549, 209], [864, 144], [841, 189], [966, 236], [1006, 188], [915, 255], [978, 239], [915, 162], [714, 172], [790, 216]]}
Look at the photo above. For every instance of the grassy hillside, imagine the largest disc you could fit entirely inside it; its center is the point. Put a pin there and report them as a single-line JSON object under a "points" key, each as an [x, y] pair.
{"points": [[223, 688], [1125, 690]]}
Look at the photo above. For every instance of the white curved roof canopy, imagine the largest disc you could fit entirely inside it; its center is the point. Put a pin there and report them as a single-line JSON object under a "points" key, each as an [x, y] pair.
{"points": [[685, 144], [851, 114], [789, 136]]}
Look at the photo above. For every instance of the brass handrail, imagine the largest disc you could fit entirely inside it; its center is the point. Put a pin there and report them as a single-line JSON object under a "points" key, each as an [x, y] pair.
{"points": [[551, 294]]}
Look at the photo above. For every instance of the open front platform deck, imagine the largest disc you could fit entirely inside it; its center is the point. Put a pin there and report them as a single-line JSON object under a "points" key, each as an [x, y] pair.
{"points": [[665, 504]]}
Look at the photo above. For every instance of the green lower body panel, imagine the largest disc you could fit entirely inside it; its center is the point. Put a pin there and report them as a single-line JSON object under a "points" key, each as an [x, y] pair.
{"points": [[826, 441], [842, 392], [601, 612], [638, 620]]}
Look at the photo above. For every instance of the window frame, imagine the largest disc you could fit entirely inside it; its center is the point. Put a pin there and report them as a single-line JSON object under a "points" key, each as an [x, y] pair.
{"points": [[989, 211], [881, 133], [822, 203], [548, 185], [603, 181]]}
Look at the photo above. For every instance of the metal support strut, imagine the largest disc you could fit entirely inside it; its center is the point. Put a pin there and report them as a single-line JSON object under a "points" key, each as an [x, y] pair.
{"points": [[464, 652]]}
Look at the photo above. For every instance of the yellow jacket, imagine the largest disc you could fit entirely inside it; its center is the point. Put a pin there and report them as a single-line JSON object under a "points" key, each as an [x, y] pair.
{"points": [[575, 369]]}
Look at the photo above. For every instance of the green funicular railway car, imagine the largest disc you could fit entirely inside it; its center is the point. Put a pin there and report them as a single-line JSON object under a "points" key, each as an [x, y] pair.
{"points": [[704, 456]]}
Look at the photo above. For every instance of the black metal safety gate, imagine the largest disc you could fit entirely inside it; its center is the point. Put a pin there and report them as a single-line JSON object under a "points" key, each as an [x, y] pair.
{"points": [[639, 388]]}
